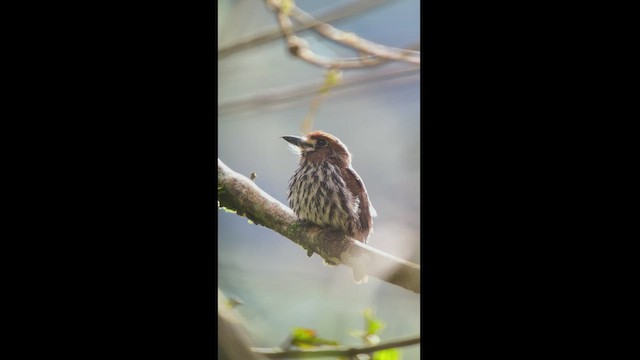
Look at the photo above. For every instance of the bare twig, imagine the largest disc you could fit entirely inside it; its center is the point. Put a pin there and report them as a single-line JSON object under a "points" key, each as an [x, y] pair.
{"points": [[237, 193], [267, 35], [373, 54], [299, 48], [288, 94], [277, 353], [293, 93], [356, 42]]}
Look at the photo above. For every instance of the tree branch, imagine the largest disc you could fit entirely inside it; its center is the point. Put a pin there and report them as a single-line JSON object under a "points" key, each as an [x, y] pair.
{"points": [[372, 53], [275, 33], [356, 42], [237, 193], [278, 353], [293, 93]]}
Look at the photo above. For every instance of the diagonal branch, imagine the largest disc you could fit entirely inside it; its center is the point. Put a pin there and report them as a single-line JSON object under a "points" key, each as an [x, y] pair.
{"points": [[237, 193], [288, 94], [356, 42]]}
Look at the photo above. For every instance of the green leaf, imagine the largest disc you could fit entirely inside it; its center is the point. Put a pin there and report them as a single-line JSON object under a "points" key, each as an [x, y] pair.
{"points": [[373, 324], [388, 354], [286, 6], [303, 334], [332, 78], [305, 338]]}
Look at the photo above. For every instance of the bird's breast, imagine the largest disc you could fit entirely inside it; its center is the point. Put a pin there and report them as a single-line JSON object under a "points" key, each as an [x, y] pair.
{"points": [[318, 193]]}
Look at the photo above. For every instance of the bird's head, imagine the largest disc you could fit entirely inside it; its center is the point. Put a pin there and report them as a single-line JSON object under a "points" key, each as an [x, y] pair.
{"points": [[319, 146]]}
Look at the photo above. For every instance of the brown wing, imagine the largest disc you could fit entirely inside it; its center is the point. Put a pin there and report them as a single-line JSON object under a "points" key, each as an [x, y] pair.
{"points": [[365, 210]]}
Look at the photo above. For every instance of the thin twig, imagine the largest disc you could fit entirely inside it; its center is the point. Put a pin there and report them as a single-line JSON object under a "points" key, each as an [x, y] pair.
{"points": [[276, 33], [356, 42], [277, 353], [293, 93], [238, 193], [374, 54]]}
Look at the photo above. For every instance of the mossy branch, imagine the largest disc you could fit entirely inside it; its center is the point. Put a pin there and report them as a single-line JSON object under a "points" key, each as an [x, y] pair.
{"points": [[238, 193]]}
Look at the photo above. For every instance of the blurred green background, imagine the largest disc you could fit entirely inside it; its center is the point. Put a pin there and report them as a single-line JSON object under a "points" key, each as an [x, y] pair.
{"points": [[260, 98]]}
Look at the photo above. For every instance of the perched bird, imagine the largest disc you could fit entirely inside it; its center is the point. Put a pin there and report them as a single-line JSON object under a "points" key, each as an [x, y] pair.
{"points": [[325, 190]]}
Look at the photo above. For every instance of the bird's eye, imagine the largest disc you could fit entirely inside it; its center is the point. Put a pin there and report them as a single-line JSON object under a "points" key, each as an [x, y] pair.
{"points": [[321, 143]]}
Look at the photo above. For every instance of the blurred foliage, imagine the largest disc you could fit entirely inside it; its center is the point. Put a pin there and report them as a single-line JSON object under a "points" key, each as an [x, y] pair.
{"points": [[373, 324], [388, 354], [233, 301], [287, 5], [308, 338], [333, 77], [372, 327]]}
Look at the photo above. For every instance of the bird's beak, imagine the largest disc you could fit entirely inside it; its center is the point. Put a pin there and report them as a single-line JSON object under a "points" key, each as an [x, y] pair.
{"points": [[297, 141]]}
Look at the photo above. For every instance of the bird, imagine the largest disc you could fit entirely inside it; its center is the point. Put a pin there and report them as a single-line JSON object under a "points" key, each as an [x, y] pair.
{"points": [[326, 190]]}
